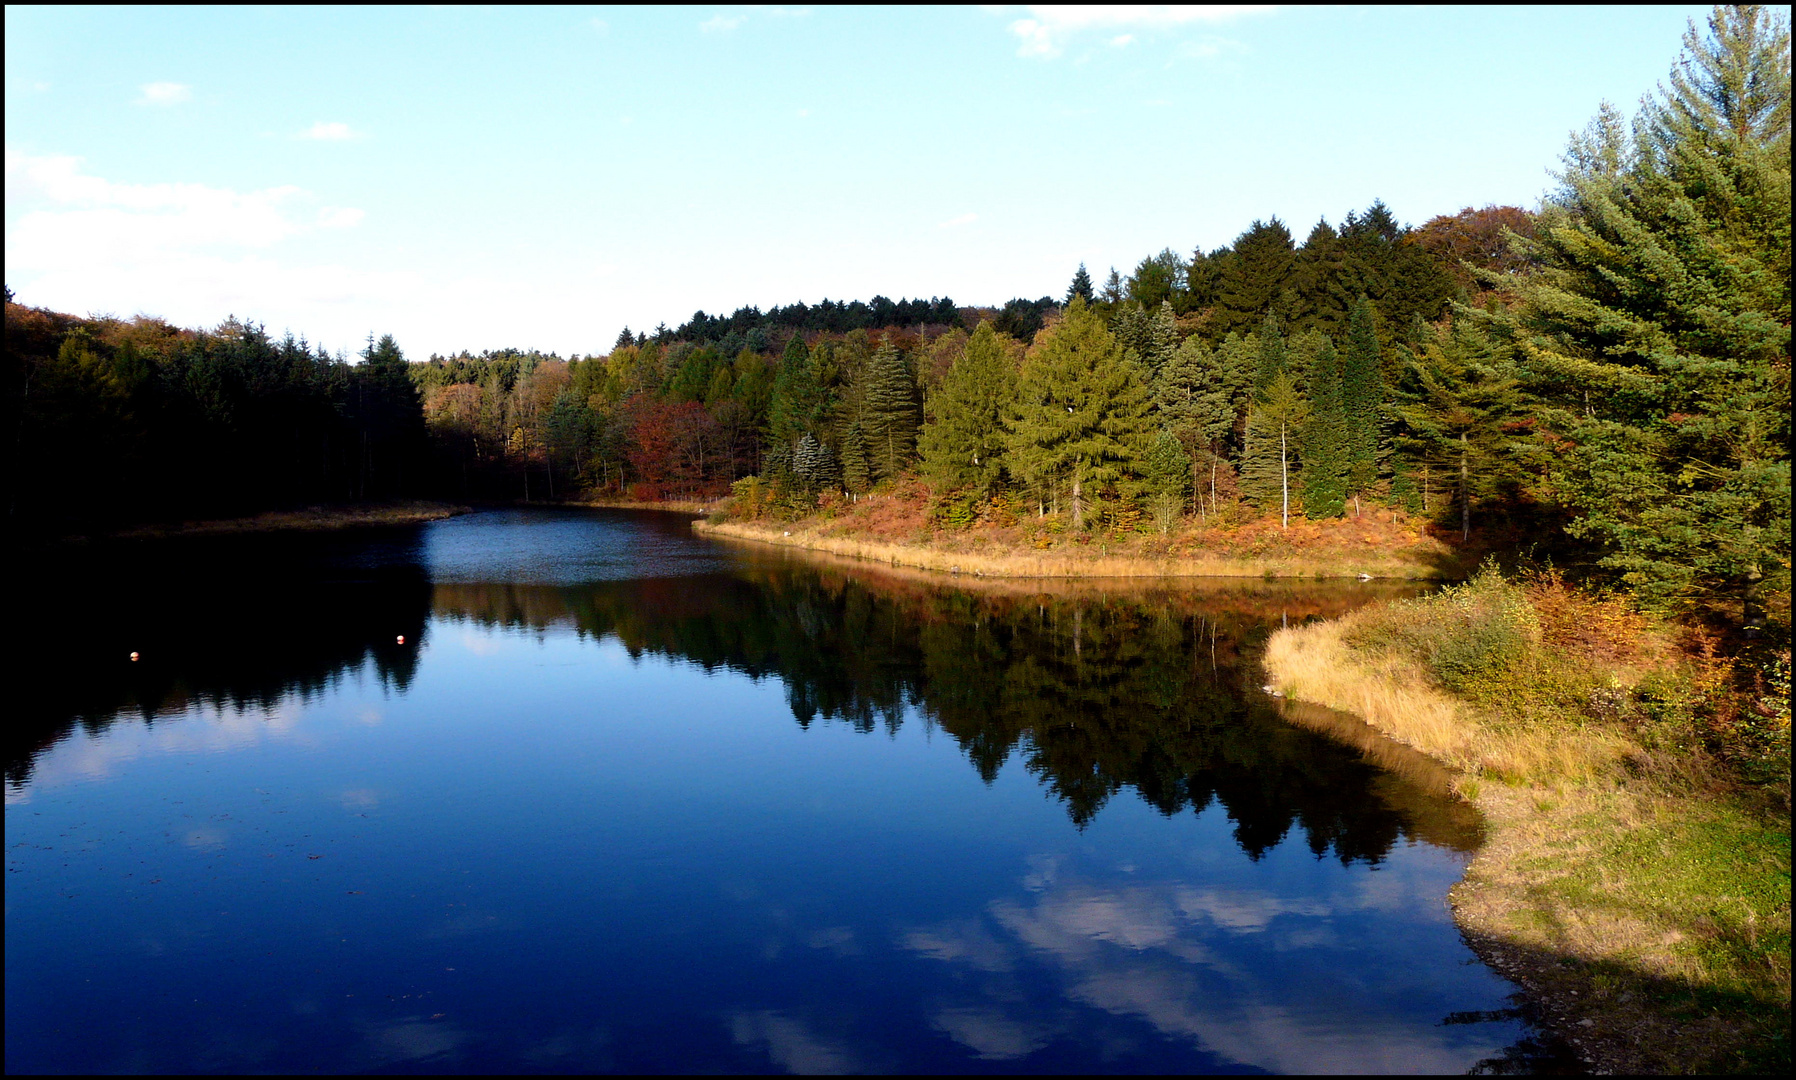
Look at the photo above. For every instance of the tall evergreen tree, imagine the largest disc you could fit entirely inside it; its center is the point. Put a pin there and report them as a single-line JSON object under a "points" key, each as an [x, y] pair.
{"points": [[892, 413], [1658, 328], [857, 463], [1325, 439], [1457, 397], [1166, 471], [1081, 286], [1082, 409], [1258, 272], [1323, 299], [1203, 280], [963, 446], [1362, 398], [797, 401], [1162, 338], [1271, 419]]}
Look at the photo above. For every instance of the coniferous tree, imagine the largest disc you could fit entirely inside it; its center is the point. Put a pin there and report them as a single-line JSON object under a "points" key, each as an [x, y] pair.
{"points": [[1322, 298], [1272, 416], [1082, 409], [857, 463], [1203, 280], [1256, 275], [892, 415], [796, 403], [963, 446], [1081, 286], [1325, 439], [1162, 338], [1362, 399], [1658, 327], [1166, 469], [1113, 288], [1456, 398]]}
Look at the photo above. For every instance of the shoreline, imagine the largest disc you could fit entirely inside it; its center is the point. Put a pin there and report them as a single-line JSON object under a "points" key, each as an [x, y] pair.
{"points": [[1017, 563], [1543, 900], [310, 519]]}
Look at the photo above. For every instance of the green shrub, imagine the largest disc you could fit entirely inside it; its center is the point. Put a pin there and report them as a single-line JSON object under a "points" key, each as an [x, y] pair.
{"points": [[1470, 637]]}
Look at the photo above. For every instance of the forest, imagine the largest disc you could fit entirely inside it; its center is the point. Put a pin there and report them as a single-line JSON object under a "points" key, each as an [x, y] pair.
{"points": [[1608, 372]]}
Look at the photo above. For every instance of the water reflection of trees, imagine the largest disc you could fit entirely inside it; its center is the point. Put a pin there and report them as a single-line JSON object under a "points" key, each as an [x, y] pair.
{"points": [[1095, 690], [233, 626]]}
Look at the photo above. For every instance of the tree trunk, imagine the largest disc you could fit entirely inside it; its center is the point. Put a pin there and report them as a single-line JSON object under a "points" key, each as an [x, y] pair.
{"points": [[1078, 498], [1465, 493], [1284, 479]]}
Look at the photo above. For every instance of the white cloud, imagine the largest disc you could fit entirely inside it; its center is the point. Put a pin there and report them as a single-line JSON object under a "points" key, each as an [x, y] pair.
{"points": [[1048, 29], [964, 219], [791, 1044], [1121, 41], [600, 25], [164, 93], [331, 131], [718, 24]]}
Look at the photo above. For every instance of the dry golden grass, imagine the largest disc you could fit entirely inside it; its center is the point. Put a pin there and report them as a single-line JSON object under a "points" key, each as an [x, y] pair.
{"points": [[962, 556]]}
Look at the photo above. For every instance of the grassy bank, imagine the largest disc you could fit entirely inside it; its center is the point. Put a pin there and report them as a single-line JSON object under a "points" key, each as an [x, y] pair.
{"points": [[897, 528], [1636, 878], [313, 518]]}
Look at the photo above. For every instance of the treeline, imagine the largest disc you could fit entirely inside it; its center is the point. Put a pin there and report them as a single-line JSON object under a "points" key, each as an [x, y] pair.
{"points": [[790, 394], [118, 421]]}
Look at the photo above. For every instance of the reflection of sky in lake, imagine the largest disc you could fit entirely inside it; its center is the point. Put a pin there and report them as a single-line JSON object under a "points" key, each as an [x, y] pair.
{"points": [[547, 855]]}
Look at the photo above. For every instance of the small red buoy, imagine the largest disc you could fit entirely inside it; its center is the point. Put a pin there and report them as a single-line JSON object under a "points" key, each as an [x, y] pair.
{"points": [[401, 641], [133, 657]]}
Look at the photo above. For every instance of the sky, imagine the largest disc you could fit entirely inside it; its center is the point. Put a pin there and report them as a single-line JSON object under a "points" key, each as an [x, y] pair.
{"points": [[481, 178]]}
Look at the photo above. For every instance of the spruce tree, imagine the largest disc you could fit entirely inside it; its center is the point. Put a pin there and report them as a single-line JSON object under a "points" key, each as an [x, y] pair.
{"points": [[1322, 297], [857, 463], [1166, 469], [1362, 399], [1082, 409], [963, 446], [1162, 338], [1325, 439], [797, 399], [1658, 328], [1271, 420], [1081, 286], [891, 411], [1258, 272]]}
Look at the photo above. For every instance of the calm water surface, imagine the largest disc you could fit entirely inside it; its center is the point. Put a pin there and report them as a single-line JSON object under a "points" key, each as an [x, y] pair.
{"points": [[626, 800]]}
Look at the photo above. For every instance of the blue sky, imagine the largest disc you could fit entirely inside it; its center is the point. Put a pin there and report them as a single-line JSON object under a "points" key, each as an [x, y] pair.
{"points": [[478, 178]]}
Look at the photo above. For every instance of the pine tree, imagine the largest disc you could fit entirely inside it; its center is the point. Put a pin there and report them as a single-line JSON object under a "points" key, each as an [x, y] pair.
{"points": [[1323, 300], [1081, 286], [1362, 399], [857, 463], [1166, 468], [1162, 338], [797, 399], [1113, 288], [1325, 439], [963, 447], [1274, 422], [1272, 417], [1658, 329], [1082, 409], [892, 413], [1258, 272]]}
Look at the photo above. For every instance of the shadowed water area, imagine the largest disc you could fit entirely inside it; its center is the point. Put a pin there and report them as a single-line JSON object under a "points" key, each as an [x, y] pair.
{"points": [[578, 791]]}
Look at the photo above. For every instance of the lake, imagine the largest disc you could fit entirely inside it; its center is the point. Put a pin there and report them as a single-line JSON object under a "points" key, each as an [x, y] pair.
{"points": [[568, 791]]}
